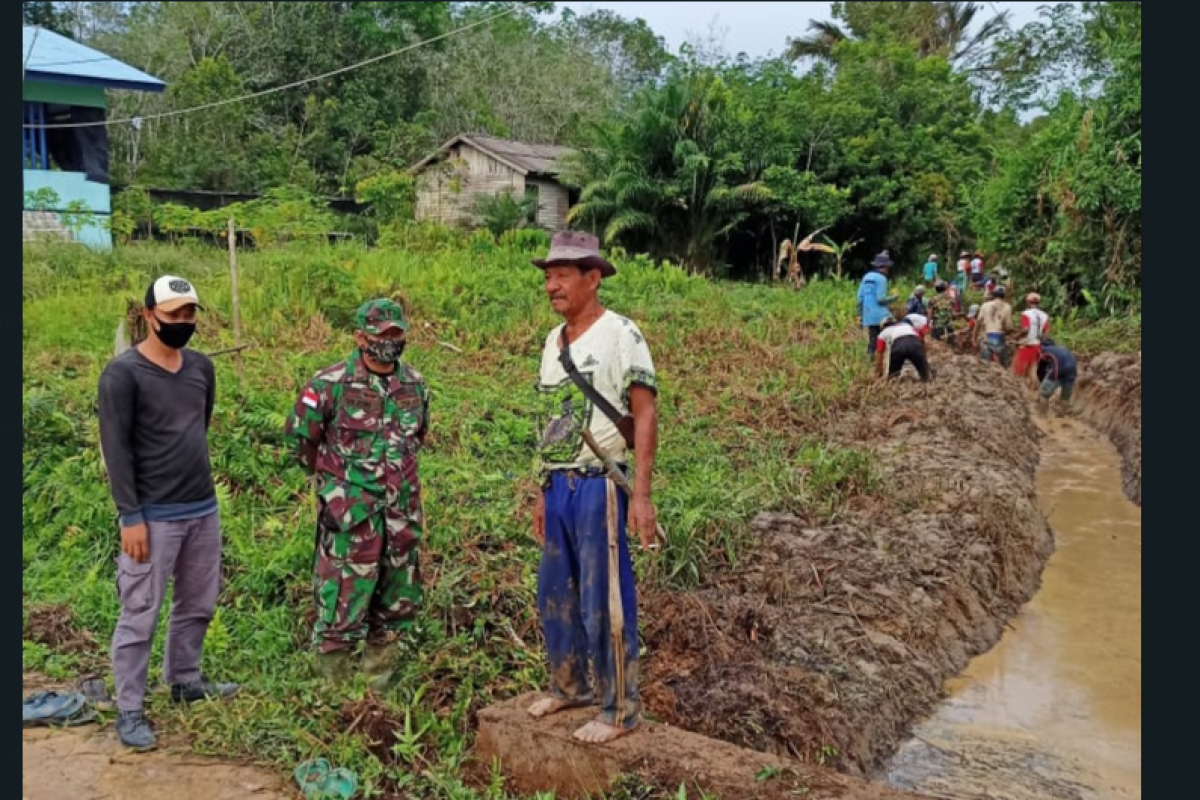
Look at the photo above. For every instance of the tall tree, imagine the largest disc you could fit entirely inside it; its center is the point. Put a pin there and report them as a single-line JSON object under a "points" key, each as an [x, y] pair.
{"points": [[956, 31], [47, 15]]}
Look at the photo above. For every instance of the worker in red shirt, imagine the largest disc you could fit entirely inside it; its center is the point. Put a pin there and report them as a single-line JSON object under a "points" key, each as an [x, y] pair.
{"points": [[1035, 326]]}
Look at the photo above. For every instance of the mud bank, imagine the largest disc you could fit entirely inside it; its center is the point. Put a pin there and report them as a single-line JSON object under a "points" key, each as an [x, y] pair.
{"points": [[833, 638], [1108, 396]]}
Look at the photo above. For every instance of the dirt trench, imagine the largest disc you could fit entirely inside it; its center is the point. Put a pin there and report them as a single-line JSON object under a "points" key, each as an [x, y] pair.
{"points": [[1108, 396], [835, 637]]}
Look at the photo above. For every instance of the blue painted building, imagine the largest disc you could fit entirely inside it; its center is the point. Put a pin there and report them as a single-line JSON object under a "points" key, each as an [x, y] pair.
{"points": [[66, 169]]}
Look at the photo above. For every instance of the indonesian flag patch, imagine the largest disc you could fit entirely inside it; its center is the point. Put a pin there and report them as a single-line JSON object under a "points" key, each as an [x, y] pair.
{"points": [[310, 399]]}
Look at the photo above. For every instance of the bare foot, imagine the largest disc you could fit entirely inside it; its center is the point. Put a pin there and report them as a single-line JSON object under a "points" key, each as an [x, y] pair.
{"points": [[597, 732], [551, 705]]}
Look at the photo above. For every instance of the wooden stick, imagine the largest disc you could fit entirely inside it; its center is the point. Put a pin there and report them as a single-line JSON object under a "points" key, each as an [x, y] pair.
{"points": [[227, 351], [616, 612], [614, 472], [233, 288]]}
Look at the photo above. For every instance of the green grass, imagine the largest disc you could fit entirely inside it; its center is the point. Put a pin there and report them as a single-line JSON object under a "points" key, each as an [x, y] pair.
{"points": [[749, 374]]}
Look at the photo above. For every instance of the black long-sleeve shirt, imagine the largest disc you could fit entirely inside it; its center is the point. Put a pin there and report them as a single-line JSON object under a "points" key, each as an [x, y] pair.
{"points": [[154, 436]]}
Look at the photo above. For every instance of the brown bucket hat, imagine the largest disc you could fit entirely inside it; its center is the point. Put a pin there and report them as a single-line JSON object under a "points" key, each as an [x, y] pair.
{"points": [[578, 248]]}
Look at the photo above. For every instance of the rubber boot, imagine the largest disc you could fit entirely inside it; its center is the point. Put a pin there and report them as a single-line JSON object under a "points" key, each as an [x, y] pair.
{"points": [[379, 662], [334, 667]]}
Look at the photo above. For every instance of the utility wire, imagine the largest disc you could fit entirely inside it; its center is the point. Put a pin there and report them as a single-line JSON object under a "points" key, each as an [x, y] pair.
{"points": [[273, 90]]}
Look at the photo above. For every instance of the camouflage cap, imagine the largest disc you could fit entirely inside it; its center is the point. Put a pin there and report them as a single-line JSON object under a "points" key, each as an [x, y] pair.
{"points": [[377, 316]]}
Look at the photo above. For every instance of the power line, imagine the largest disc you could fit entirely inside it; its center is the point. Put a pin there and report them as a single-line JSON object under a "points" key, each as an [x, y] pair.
{"points": [[273, 90]]}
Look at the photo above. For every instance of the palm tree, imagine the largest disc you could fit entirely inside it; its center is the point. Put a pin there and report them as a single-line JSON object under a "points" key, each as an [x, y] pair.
{"points": [[665, 179], [937, 28], [819, 43]]}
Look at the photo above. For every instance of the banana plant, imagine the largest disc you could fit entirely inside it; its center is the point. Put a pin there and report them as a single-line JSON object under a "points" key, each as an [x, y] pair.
{"points": [[840, 250]]}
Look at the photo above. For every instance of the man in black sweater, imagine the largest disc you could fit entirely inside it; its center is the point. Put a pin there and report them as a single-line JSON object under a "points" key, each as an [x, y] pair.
{"points": [[156, 401]]}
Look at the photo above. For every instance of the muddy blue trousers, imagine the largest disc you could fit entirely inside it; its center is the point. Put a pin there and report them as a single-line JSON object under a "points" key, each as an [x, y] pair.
{"points": [[573, 597]]}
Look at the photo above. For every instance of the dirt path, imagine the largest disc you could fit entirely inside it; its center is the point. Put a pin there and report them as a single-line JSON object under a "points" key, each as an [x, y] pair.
{"points": [[88, 763]]}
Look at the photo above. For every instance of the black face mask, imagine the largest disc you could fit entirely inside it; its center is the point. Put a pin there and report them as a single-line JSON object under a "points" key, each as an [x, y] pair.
{"points": [[175, 334], [385, 351]]}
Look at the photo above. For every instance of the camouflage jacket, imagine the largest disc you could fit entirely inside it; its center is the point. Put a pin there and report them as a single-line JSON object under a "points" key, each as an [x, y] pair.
{"points": [[359, 433], [941, 312]]}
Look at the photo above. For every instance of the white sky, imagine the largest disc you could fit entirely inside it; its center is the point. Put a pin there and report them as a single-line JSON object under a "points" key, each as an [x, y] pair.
{"points": [[758, 29]]}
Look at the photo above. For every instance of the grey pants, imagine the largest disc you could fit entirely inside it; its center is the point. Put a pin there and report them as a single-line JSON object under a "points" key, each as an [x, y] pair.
{"points": [[190, 552]]}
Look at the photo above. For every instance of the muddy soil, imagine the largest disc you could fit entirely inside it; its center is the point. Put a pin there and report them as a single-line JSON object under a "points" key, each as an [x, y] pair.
{"points": [[834, 637], [1055, 709], [1108, 396], [88, 763]]}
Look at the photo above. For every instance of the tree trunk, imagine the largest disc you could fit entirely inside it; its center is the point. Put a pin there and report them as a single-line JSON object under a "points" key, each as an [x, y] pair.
{"points": [[774, 251]]}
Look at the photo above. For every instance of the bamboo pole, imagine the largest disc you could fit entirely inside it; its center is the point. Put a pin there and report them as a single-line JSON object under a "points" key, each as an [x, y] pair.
{"points": [[237, 306]]}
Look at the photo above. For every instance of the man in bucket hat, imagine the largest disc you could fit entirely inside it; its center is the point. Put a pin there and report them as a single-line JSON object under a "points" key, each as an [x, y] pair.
{"points": [[358, 427], [598, 377], [873, 299]]}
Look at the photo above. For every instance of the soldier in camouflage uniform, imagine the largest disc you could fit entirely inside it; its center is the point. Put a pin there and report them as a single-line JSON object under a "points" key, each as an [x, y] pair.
{"points": [[941, 312], [358, 427]]}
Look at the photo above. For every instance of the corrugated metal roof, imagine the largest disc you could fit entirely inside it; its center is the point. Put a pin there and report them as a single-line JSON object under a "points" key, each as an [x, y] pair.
{"points": [[51, 57], [537, 158], [534, 159]]}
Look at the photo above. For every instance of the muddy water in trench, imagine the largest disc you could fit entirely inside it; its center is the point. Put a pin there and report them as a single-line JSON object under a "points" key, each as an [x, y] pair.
{"points": [[1054, 710]]}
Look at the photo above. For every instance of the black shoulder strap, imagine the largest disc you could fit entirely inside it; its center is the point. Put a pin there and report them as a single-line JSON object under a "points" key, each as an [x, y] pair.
{"points": [[598, 400]]}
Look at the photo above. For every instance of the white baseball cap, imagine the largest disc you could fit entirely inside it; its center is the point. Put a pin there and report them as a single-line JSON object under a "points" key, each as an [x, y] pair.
{"points": [[171, 292]]}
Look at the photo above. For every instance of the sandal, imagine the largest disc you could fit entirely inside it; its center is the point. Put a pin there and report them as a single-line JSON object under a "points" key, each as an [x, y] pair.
{"points": [[319, 782], [52, 708]]}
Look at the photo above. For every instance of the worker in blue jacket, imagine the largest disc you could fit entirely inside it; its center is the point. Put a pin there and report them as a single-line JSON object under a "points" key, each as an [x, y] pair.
{"points": [[873, 299]]}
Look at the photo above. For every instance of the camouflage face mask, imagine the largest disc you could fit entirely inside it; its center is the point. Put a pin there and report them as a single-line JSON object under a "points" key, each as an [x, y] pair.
{"points": [[385, 351]]}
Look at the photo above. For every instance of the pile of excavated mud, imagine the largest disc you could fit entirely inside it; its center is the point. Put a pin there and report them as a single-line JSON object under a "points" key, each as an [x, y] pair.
{"points": [[833, 638], [1108, 396]]}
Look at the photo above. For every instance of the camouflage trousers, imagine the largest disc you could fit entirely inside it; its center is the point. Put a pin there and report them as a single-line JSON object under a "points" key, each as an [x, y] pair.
{"points": [[366, 580]]}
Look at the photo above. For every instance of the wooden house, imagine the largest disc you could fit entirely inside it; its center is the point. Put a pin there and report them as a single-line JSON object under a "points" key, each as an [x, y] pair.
{"points": [[451, 181]]}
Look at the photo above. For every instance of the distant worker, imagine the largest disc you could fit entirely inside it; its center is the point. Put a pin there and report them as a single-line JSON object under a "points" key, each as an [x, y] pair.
{"points": [[931, 268], [994, 326], [977, 269], [1056, 370], [916, 301], [954, 294], [964, 338], [919, 323], [963, 265], [873, 299], [899, 342], [941, 311], [1035, 324]]}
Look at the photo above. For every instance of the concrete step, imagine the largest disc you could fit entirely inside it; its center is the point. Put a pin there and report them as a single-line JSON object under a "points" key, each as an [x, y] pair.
{"points": [[539, 755], [41, 225]]}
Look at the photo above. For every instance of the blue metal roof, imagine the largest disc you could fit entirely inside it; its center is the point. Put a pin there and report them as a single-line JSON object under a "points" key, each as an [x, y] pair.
{"points": [[54, 58]]}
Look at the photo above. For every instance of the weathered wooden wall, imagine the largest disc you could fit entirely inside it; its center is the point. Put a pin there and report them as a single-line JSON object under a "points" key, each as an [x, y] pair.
{"points": [[447, 191], [552, 204]]}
